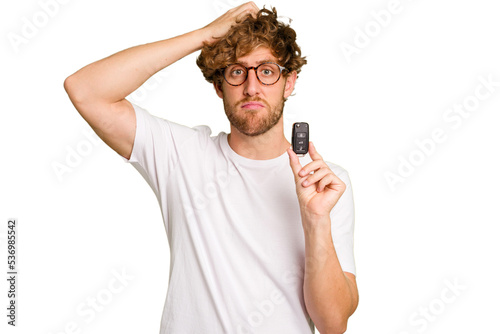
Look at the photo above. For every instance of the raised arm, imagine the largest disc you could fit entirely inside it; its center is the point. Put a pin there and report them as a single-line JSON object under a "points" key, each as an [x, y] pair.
{"points": [[98, 90]]}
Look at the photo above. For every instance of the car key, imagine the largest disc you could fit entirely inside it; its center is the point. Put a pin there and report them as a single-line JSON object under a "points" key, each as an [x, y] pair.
{"points": [[300, 138]]}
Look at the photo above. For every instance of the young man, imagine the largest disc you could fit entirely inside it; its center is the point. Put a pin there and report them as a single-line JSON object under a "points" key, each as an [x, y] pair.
{"points": [[261, 241]]}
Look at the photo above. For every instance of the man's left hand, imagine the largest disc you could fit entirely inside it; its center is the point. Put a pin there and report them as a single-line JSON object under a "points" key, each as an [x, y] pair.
{"points": [[318, 188]]}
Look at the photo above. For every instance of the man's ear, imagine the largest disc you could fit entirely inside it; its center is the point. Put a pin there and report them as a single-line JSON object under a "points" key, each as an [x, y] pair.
{"points": [[218, 89], [290, 84]]}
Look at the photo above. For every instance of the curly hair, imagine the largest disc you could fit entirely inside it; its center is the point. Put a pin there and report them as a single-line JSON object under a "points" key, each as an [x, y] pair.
{"points": [[246, 36]]}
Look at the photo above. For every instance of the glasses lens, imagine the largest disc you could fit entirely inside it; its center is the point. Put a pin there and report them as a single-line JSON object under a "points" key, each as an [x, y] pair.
{"points": [[235, 74], [268, 73]]}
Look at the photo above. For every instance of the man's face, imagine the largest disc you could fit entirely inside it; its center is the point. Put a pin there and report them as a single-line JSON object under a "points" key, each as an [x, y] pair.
{"points": [[253, 108]]}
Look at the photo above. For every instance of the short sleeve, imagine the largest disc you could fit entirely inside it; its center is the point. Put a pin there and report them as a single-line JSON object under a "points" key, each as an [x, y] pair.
{"points": [[158, 145], [342, 219], [140, 115]]}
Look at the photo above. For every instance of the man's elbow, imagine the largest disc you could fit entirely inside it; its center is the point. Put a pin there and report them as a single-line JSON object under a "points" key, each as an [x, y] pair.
{"points": [[72, 89], [79, 92], [339, 329], [338, 326]]}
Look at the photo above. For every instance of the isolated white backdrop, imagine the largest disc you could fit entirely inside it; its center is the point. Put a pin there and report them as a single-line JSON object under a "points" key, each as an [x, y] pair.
{"points": [[436, 226]]}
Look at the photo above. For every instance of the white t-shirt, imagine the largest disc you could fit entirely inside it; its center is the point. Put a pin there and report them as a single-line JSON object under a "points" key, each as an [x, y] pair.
{"points": [[237, 250]]}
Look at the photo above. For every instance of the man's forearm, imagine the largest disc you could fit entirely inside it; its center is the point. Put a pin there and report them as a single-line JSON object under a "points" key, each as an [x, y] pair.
{"points": [[329, 295], [115, 77]]}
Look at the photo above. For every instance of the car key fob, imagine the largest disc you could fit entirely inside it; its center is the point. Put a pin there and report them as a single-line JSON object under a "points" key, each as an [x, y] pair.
{"points": [[300, 138]]}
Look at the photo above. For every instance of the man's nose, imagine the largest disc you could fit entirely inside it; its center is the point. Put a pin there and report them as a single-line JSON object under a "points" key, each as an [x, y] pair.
{"points": [[252, 84]]}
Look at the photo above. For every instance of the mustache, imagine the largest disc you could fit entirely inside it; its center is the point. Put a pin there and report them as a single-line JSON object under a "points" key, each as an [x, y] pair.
{"points": [[247, 100]]}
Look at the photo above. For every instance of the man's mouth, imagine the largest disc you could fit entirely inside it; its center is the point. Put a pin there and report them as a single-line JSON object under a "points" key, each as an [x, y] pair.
{"points": [[252, 105]]}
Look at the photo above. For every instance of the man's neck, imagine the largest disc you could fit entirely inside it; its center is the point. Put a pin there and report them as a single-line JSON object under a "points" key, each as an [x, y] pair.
{"points": [[266, 146]]}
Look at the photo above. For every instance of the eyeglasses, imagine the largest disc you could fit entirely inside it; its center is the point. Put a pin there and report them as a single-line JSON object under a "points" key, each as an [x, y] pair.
{"points": [[267, 73]]}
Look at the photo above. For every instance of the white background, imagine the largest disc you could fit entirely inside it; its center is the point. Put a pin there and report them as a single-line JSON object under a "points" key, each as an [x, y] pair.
{"points": [[437, 226]]}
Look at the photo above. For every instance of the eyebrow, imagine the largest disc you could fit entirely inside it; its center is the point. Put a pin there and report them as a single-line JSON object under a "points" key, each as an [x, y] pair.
{"points": [[267, 60]]}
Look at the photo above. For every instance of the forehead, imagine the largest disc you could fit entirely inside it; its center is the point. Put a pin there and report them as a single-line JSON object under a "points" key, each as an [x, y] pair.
{"points": [[260, 55]]}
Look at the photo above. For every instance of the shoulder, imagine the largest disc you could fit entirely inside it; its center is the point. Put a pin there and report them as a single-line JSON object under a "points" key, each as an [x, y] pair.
{"points": [[150, 120], [340, 172]]}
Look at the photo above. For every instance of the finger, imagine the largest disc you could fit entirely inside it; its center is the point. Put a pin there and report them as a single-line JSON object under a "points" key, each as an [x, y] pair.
{"points": [[246, 9], [294, 163], [334, 183], [317, 176], [255, 6], [312, 167], [313, 153], [327, 181], [249, 4]]}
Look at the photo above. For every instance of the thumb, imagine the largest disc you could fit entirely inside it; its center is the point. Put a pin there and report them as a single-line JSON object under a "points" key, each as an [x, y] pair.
{"points": [[294, 163]]}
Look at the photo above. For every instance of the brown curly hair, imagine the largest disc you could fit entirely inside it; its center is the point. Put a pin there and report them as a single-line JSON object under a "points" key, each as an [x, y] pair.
{"points": [[246, 36]]}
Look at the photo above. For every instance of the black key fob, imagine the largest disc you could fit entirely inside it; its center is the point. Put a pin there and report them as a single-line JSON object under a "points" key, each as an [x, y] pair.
{"points": [[300, 137]]}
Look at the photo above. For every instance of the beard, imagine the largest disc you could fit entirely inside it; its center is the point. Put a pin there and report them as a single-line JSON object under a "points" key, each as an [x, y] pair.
{"points": [[254, 122]]}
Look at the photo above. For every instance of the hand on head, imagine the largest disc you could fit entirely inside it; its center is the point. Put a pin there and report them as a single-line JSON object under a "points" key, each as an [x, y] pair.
{"points": [[223, 23]]}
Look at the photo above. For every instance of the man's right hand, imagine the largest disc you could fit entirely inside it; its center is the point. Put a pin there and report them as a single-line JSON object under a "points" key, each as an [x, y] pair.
{"points": [[223, 23]]}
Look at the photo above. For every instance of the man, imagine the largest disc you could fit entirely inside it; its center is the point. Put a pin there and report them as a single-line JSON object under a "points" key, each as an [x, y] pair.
{"points": [[251, 226]]}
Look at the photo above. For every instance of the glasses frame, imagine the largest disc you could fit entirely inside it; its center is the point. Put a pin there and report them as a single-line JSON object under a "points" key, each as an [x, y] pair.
{"points": [[255, 69]]}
